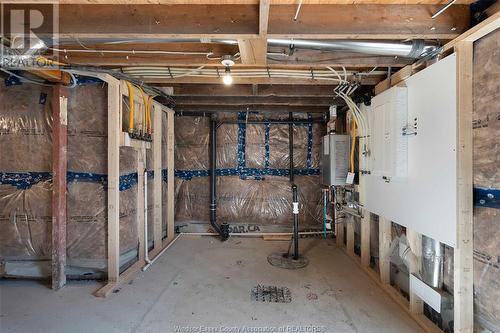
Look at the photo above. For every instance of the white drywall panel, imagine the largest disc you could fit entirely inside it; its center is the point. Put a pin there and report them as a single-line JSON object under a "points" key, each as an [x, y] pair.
{"points": [[426, 199]]}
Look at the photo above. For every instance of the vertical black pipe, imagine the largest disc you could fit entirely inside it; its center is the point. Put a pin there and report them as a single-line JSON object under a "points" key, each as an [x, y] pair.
{"points": [[290, 144], [213, 166], [223, 230], [295, 205]]}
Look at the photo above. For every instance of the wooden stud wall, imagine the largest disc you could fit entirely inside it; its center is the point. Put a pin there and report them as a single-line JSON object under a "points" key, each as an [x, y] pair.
{"points": [[117, 139]]}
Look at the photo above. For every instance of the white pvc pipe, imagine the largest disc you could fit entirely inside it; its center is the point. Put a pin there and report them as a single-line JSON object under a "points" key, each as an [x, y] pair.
{"points": [[146, 247], [145, 268], [253, 234], [256, 234]]}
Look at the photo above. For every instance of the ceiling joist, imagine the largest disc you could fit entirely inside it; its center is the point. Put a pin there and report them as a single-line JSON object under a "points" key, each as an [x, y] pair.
{"points": [[255, 2], [252, 90], [242, 21]]}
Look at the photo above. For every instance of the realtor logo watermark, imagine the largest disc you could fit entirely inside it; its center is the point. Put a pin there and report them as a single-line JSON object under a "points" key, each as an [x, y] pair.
{"points": [[29, 31]]}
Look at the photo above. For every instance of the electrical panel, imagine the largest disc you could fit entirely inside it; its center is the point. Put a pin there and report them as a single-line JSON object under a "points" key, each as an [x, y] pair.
{"points": [[335, 159], [389, 117]]}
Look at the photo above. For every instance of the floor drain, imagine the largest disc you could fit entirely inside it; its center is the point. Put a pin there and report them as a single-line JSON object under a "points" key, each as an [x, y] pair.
{"points": [[271, 294]]}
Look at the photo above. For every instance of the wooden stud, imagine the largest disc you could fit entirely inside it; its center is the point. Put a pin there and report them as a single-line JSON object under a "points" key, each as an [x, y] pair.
{"points": [[170, 176], [339, 233], [384, 241], [365, 238], [415, 243], [463, 251], [350, 235], [158, 175], [114, 131], [59, 169]]}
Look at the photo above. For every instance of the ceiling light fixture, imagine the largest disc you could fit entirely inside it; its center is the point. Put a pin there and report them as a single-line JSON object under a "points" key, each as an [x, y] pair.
{"points": [[227, 61], [227, 78]]}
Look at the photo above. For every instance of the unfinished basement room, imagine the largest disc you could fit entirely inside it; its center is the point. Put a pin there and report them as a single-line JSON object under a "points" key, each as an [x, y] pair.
{"points": [[249, 166]]}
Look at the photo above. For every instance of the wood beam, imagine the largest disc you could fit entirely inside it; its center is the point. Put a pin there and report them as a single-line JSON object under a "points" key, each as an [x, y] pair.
{"points": [[255, 2], [158, 21], [253, 100], [253, 51], [258, 108], [248, 90], [59, 170], [242, 21]]}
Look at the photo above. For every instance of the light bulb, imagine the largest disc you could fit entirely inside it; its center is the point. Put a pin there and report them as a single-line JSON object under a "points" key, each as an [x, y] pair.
{"points": [[227, 78]]}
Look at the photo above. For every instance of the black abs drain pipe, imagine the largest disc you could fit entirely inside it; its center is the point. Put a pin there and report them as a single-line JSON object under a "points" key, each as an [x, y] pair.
{"points": [[295, 211], [223, 229]]}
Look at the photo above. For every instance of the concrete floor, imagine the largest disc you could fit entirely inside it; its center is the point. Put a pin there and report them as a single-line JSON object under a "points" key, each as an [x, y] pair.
{"points": [[201, 283]]}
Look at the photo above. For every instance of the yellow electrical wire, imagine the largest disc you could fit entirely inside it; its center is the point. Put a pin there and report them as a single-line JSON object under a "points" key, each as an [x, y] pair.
{"points": [[147, 110], [353, 144], [132, 106], [145, 102], [150, 123]]}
